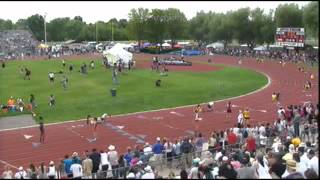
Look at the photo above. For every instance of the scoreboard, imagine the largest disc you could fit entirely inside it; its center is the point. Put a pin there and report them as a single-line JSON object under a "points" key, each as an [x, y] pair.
{"points": [[293, 37]]}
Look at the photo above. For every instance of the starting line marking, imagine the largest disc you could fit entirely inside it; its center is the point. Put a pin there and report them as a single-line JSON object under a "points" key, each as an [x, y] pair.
{"points": [[176, 113]]}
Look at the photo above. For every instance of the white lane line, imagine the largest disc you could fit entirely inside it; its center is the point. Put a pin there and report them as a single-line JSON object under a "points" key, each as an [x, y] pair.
{"points": [[8, 164]]}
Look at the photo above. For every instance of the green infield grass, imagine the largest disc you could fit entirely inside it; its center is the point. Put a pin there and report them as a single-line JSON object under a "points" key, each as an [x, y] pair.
{"points": [[90, 94]]}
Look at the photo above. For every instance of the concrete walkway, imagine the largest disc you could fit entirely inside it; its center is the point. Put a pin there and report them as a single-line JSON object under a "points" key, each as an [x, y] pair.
{"points": [[16, 121]]}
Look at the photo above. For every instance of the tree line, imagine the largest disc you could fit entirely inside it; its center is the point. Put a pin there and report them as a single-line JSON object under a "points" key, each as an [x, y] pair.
{"points": [[249, 26]]}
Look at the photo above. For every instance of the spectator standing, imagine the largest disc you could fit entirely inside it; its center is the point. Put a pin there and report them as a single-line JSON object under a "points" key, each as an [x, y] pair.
{"points": [[314, 161], [7, 173], [87, 166], [67, 164], [21, 174], [32, 172], [251, 144], [95, 157], [291, 168], [296, 123], [157, 150], [128, 156], [104, 162], [212, 143], [61, 172], [43, 171], [246, 171], [76, 169], [186, 150], [113, 159], [52, 171], [168, 148]]}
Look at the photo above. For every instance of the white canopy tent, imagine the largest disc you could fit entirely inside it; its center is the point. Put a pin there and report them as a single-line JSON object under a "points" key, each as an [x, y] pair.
{"points": [[260, 48], [215, 45], [166, 45], [118, 52]]}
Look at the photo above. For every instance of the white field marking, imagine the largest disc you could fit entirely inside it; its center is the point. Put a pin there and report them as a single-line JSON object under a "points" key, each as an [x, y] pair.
{"points": [[120, 127], [264, 111], [142, 117], [219, 111], [234, 106], [176, 113], [6, 163], [163, 109], [157, 118], [171, 127], [28, 136], [76, 133]]}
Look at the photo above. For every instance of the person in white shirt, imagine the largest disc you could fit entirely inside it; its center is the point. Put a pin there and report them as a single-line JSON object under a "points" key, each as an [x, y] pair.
{"points": [[275, 145], [51, 77], [113, 159], [168, 148], [76, 170], [240, 118], [301, 167], [263, 140], [52, 173], [7, 174], [104, 162], [149, 173], [262, 129], [21, 174], [314, 161], [303, 155]]}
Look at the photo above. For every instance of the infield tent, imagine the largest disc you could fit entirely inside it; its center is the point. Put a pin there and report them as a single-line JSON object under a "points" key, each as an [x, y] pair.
{"points": [[215, 45], [118, 52], [260, 48]]}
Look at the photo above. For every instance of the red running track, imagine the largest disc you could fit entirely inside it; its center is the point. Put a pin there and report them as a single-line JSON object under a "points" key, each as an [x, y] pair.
{"points": [[63, 138]]}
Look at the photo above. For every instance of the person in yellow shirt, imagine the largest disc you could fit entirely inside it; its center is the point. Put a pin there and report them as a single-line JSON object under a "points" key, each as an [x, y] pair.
{"points": [[296, 141], [197, 110], [274, 97], [246, 115]]}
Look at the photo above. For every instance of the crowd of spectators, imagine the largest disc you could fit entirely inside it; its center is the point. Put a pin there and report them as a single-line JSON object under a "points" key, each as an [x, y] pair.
{"points": [[16, 43], [287, 148], [307, 56]]}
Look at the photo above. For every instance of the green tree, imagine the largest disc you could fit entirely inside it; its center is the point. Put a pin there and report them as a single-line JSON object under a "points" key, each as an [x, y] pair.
{"points": [[197, 28], [36, 25], [288, 15], [137, 25], [176, 24], [57, 29], [311, 18], [157, 26], [268, 28], [243, 23], [73, 28], [22, 24], [221, 28], [6, 24]]}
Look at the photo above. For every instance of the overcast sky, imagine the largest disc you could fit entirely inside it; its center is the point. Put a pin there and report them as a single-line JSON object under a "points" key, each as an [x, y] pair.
{"points": [[97, 10]]}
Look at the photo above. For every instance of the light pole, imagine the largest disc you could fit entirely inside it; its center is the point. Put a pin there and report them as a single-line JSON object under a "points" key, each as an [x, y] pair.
{"points": [[45, 29], [112, 31]]}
